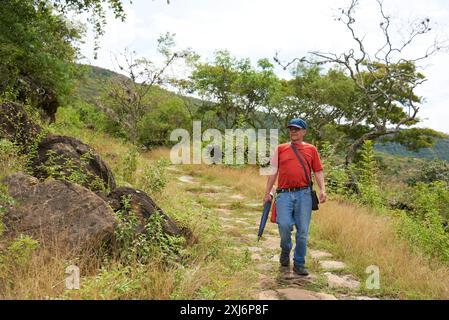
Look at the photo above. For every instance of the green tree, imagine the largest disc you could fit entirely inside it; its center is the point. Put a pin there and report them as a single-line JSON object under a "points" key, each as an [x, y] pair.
{"points": [[324, 99], [95, 10], [431, 171], [128, 98], [385, 80], [368, 176], [388, 105], [37, 54], [157, 124], [235, 88]]}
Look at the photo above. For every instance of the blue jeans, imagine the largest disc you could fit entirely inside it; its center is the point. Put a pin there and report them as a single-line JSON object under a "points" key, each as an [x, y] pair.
{"points": [[294, 209]]}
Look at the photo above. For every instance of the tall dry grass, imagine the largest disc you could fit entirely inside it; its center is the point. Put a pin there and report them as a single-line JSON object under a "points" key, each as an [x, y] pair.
{"points": [[363, 238], [353, 234], [209, 272], [42, 275], [246, 180]]}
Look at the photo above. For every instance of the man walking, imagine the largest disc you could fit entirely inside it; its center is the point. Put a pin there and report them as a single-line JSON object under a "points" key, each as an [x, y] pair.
{"points": [[293, 195]]}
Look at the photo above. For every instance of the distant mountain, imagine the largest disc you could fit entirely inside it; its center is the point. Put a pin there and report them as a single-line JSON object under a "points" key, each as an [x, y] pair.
{"points": [[95, 79], [92, 84], [439, 151]]}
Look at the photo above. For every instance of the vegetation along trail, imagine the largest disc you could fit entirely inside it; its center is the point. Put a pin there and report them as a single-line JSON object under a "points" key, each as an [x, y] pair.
{"points": [[354, 251]]}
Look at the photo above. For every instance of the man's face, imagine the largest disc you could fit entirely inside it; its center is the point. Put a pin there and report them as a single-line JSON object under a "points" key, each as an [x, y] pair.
{"points": [[296, 133]]}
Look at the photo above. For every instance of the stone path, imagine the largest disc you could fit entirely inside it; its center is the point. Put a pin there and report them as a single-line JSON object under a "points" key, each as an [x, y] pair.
{"points": [[328, 279], [187, 179]]}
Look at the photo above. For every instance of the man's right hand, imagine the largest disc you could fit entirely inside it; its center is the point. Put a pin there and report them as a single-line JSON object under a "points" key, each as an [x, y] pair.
{"points": [[266, 198]]}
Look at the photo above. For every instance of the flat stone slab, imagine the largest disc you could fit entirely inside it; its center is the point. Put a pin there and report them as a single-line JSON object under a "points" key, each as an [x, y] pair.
{"points": [[237, 197], [252, 228], [252, 237], [332, 265], [254, 205], [317, 254], [235, 249], [223, 211], [240, 221], [224, 204], [252, 214], [210, 195], [326, 296], [301, 294], [364, 298], [271, 243], [256, 257], [291, 276], [229, 228], [346, 281], [213, 187], [266, 282], [268, 295], [187, 179], [264, 267]]}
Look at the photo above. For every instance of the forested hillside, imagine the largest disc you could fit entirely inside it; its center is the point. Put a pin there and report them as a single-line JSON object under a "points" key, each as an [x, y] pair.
{"points": [[439, 151], [92, 86]]}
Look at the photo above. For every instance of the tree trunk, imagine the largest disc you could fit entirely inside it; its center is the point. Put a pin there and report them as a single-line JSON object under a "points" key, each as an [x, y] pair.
{"points": [[357, 144]]}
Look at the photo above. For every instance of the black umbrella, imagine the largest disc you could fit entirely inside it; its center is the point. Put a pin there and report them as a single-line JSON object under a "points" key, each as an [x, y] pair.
{"points": [[263, 219]]}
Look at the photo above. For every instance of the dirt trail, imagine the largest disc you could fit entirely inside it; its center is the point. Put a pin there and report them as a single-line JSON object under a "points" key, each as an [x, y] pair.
{"points": [[240, 217]]}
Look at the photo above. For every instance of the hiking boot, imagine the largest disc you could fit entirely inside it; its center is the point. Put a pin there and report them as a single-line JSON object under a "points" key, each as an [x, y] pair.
{"points": [[285, 258], [300, 270]]}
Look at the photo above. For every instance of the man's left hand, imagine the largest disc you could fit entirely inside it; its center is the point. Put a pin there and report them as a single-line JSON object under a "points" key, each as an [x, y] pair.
{"points": [[323, 196]]}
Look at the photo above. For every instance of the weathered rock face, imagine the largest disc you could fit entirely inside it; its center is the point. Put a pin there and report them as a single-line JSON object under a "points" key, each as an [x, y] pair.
{"points": [[61, 156], [143, 206], [57, 213], [74, 207], [16, 126]]}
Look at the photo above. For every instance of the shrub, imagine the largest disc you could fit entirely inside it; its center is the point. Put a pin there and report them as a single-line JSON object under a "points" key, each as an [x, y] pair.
{"points": [[129, 165], [10, 160], [91, 117], [426, 226], [16, 256], [431, 171], [336, 174], [62, 168], [167, 115], [154, 177], [367, 177], [433, 197], [140, 247], [428, 235], [5, 202]]}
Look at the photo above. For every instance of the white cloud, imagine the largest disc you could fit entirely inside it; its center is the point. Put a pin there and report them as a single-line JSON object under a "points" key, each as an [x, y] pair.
{"points": [[258, 28]]}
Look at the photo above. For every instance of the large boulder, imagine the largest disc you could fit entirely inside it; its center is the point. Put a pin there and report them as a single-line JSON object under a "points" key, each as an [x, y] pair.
{"points": [[57, 213], [67, 157], [143, 206], [16, 126]]}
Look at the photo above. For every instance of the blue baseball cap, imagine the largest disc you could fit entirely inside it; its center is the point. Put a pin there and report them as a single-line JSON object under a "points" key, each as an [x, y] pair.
{"points": [[298, 123]]}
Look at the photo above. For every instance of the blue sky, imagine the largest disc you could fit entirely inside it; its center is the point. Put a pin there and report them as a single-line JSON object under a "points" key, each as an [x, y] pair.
{"points": [[259, 28]]}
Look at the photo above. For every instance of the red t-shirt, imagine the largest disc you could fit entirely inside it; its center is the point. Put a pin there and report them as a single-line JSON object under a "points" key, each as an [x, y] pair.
{"points": [[290, 173]]}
